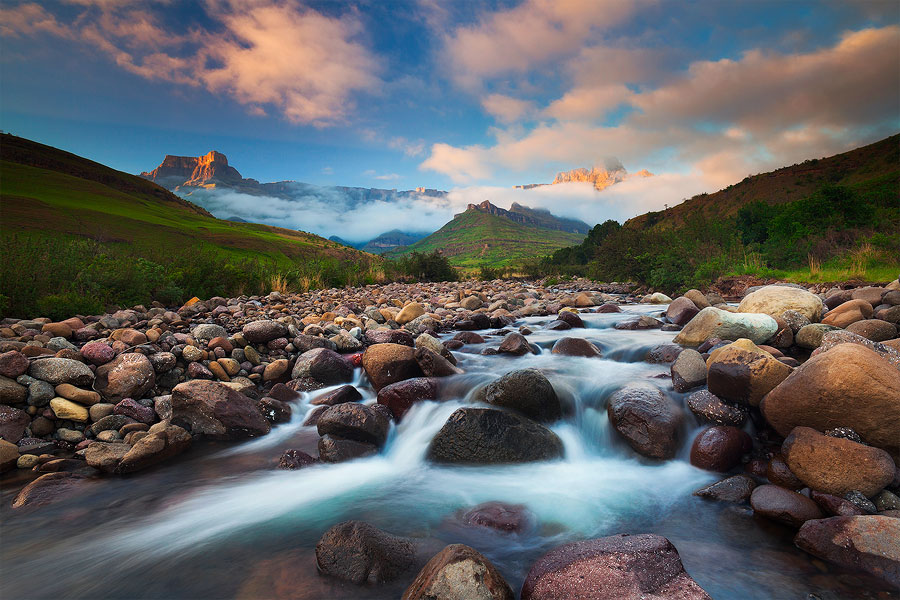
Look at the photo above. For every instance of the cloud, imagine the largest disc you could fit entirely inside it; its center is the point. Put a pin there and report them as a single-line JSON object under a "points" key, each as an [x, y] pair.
{"points": [[305, 64], [507, 109], [408, 147]]}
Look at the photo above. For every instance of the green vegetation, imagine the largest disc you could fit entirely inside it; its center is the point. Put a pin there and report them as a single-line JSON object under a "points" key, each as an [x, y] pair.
{"points": [[475, 239], [848, 227], [424, 267]]}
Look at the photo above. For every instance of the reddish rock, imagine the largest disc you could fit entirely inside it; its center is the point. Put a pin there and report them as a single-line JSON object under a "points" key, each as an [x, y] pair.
{"points": [[13, 423], [468, 337], [515, 344], [733, 489], [569, 346], [399, 397], [162, 442], [213, 409], [619, 567], [720, 448], [847, 313], [135, 410], [499, 516], [647, 419], [130, 375], [98, 353], [13, 364], [835, 506], [345, 393], [459, 572], [323, 365], [681, 310], [389, 363], [778, 473], [47, 489], [784, 506], [355, 421], [360, 553]]}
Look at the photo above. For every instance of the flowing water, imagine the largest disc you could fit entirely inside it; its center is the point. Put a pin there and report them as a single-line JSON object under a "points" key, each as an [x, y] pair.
{"points": [[222, 522]]}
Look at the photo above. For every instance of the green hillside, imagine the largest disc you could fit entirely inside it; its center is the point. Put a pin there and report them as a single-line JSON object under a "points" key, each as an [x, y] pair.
{"points": [[478, 239], [80, 221]]}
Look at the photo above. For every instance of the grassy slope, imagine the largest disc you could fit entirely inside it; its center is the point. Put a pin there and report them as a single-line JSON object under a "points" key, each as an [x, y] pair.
{"points": [[864, 169], [474, 239], [45, 191]]}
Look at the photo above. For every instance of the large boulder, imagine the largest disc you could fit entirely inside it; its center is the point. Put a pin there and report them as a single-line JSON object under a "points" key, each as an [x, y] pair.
{"points": [[688, 371], [162, 442], [571, 346], [527, 391], [49, 488], [324, 365], [848, 386], [742, 372], [360, 553], [868, 543], [773, 300], [848, 312], [647, 418], [618, 567], [389, 363], [260, 332], [681, 310], [13, 423], [410, 312], [129, 375], [515, 344], [487, 435], [720, 448], [355, 421], [714, 322], [215, 410], [783, 505], [399, 397], [434, 364], [61, 370], [709, 408], [459, 572], [836, 465], [13, 364], [105, 457], [337, 449], [874, 329]]}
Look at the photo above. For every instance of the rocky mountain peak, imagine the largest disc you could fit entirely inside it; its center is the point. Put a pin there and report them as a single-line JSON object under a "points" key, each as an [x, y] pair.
{"points": [[194, 171]]}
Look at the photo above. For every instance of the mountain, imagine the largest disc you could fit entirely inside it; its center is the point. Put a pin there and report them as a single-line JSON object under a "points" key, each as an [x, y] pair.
{"points": [[486, 235], [600, 177], [391, 240]]}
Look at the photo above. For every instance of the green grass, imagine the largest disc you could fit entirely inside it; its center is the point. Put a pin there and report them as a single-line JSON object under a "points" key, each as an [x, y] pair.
{"points": [[475, 239]]}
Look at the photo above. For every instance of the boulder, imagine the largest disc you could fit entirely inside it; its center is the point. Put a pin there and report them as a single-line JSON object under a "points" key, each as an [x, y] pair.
{"points": [[13, 364], [433, 364], [647, 418], [720, 448], [499, 516], [874, 329], [663, 353], [714, 322], [261, 332], [681, 310], [9, 456], [61, 370], [526, 391], [688, 370], [410, 312], [345, 393], [68, 410], [162, 442], [48, 488], [129, 375], [105, 456], [13, 423], [324, 365], [360, 553], [572, 319], [487, 436], [848, 386], [515, 344], [836, 465], [355, 421], [459, 572], [336, 449], [810, 336], [847, 313], [742, 372], [773, 300], [784, 506], [736, 488], [619, 567], [843, 336], [399, 397], [389, 363], [570, 346], [709, 408], [697, 297], [870, 294], [213, 409], [867, 543]]}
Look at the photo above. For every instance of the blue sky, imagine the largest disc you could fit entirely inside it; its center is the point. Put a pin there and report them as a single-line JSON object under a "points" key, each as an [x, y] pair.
{"points": [[454, 94]]}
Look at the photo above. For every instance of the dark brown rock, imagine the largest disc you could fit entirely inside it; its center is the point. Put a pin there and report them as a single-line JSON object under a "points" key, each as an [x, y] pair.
{"points": [[354, 421], [215, 410], [335, 449], [569, 346], [345, 393], [360, 553], [527, 391], [720, 448], [129, 375], [499, 516], [433, 364], [732, 489], [778, 473], [163, 442], [389, 363], [743, 373], [459, 572], [784, 506], [13, 423], [399, 397], [293, 459], [515, 344], [13, 364], [48, 488], [835, 506], [681, 310], [647, 419], [323, 365]]}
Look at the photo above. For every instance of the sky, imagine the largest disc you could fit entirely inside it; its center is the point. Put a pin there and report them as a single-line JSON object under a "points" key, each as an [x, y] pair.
{"points": [[473, 97]]}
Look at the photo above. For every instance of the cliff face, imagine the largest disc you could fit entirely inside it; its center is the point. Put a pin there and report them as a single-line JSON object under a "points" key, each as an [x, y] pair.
{"points": [[598, 176], [195, 171]]}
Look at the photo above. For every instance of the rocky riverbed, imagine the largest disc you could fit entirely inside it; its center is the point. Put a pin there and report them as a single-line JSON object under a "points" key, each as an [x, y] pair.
{"points": [[457, 440]]}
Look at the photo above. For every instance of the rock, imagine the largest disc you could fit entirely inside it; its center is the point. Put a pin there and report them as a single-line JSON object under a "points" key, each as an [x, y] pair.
{"points": [[162, 442], [274, 410], [843, 336], [260, 332], [570, 318], [345, 393], [13, 364], [867, 543], [215, 410], [787, 507], [859, 500], [870, 294], [61, 370], [334, 449], [486, 435], [656, 298], [13, 393], [98, 353], [720, 448], [688, 371], [68, 410], [810, 336], [847, 313], [135, 410], [104, 456], [468, 337], [569, 346], [129, 336], [697, 297], [459, 572], [647, 418], [795, 320], [835, 506], [48, 488], [433, 364], [410, 312], [323, 365], [736, 488], [638, 323], [399, 397], [9, 456], [526, 391], [743, 373], [663, 353], [836, 465], [293, 459], [874, 329], [209, 331], [773, 300], [886, 500], [618, 567], [499, 516], [681, 310], [778, 473], [471, 303], [360, 553], [709, 408], [516, 344], [848, 386], [13, 423], [355, 421], [130, 375], [110, 422], [389, 363], [714, 322], [70, 392], [274, 370], [390, 336]]}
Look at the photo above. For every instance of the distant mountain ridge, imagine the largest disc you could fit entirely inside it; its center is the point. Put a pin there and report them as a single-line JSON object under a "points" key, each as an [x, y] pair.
{"points": [[533, 217], [600, 177], [385, 242]]}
